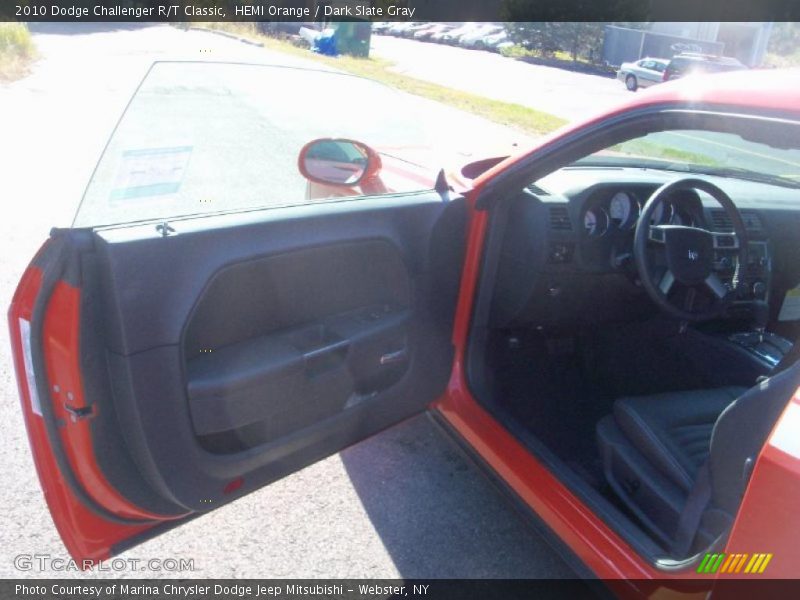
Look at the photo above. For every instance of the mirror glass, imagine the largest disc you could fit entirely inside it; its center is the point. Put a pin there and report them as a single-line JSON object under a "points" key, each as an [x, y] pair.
{"points": [[340, 162]]}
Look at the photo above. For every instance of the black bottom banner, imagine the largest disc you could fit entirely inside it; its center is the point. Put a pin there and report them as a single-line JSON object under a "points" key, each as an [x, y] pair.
{"points": [[354, 589]]}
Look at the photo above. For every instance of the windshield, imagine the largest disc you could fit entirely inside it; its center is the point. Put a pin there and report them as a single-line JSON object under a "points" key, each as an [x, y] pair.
{"points": [[208, 137], [708, 152]]}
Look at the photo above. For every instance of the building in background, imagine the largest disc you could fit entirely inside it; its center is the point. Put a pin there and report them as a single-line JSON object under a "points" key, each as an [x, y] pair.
{"points": [[745, 41]]}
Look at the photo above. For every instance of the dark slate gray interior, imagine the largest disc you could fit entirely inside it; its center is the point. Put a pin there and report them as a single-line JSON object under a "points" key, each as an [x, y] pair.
{"points": [[249, 345]]}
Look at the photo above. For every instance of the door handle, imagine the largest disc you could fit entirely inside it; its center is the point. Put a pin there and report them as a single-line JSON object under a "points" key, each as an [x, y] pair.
{"points": [[391, 358]]}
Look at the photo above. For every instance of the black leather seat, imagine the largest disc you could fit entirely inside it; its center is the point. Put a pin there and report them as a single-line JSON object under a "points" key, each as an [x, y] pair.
{"points": [[673, 430], [654, 447]]}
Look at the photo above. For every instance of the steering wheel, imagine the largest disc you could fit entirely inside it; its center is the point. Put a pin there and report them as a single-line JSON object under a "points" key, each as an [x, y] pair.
{"points": [[667, 255]]}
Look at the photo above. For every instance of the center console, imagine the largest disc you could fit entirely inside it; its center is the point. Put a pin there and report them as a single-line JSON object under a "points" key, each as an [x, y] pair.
{"points": [[755, 277], [765, 346], [753, 297]]}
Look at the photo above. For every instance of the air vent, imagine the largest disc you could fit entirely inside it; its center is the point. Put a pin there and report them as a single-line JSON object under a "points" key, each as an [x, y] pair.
{"points": [[535, 189], [559, 218], [751, 221], [722, 222]]}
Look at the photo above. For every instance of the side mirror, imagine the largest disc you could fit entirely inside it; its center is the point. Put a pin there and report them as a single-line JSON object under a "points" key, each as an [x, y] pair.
{"points": [[338, 162]]}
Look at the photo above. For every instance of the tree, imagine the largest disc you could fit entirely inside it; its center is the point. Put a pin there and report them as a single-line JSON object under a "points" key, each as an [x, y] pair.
{"points": [[581, 40], [534, 36], [556, 28], [784, 39], [565, 11]]}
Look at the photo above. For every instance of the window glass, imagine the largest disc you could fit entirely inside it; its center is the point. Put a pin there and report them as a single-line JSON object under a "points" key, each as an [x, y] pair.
{"points": [[708, 152], [208, 137]]}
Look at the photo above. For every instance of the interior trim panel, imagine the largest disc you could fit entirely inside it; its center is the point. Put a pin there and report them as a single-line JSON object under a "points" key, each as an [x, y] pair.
{"points": [[243, 347]]}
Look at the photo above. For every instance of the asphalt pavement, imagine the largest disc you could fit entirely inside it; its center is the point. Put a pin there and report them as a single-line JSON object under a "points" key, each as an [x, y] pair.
{"points": [[404, 503], [570, 95]]}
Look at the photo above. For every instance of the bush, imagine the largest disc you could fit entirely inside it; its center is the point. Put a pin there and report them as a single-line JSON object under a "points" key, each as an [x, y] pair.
{"points": [[17, 50], [517, 51], [15, 40]]}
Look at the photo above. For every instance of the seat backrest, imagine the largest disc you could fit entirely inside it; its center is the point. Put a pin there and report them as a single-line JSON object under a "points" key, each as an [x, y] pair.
{"points": [[738, 436]]}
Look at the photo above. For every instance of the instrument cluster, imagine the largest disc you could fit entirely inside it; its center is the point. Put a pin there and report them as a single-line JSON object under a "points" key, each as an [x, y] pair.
{"points": [[620, 210]]}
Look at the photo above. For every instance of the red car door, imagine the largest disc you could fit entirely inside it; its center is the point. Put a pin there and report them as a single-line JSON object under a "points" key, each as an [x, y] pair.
{"points": [[162, 376], [205, 328]]}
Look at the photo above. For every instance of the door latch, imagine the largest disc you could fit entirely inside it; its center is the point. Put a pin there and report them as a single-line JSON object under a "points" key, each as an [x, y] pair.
{"points": [[78, 414]]}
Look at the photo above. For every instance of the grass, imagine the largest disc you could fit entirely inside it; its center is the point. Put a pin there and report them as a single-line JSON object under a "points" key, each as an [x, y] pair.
{"points": [[17, 51], [648, 149], [519, 117], [517, 51]]}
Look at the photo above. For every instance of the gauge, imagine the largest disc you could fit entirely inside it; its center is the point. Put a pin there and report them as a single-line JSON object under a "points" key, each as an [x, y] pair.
{"points": [[664, 213], [595, 222], [623, 210]]}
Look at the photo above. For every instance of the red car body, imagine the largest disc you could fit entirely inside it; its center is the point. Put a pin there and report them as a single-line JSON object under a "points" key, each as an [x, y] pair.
{"points": [[767, 520], [775, 485]]}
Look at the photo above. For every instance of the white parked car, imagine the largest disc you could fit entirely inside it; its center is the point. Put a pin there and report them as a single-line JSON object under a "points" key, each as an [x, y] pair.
{"points": [[642, 73], [427, 34], [381, 27], [476, 39], [497, 41], [398, 28], [454, 36]]}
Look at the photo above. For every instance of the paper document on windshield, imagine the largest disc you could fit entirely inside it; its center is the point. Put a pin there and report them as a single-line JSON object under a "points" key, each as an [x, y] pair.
{"points": [[790, 311], [150, 172]]}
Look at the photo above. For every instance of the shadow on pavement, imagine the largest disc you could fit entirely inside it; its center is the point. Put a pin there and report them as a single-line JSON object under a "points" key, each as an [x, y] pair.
{"points": [[437, 515]]}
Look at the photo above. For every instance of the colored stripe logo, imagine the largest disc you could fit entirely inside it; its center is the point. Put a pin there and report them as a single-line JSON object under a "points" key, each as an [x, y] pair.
{"points": [[754, 564]]}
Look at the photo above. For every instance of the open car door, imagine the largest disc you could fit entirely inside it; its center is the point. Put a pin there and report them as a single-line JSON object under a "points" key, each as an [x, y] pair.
{"points": [[167, 368]]}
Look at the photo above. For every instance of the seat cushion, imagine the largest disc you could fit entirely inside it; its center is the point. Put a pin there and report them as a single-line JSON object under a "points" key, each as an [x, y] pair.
{"points": [[673, 430]]}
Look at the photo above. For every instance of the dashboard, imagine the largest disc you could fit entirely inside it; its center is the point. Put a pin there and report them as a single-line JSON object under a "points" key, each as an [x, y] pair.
{"points": [[567, 249], [619, 209], [607, 214]]}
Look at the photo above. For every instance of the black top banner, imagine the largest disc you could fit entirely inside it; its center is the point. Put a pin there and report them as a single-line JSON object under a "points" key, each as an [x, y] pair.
{"points": [[399, 10]]}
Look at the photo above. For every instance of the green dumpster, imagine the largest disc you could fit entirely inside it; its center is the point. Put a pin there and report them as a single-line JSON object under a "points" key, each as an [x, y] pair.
{"points": [[353, 37]]}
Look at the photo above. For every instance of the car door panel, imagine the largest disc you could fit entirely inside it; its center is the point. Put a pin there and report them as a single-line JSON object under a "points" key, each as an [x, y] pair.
{"points": [[301, 334], [87, 510], [242, 347]]}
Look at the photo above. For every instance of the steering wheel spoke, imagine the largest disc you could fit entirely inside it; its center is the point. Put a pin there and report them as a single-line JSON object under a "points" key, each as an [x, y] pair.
{"points": [[666, 283], [670, 255], [716, 286], [656, 234], [688, 300], [725, 241]]}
